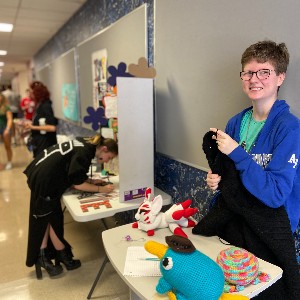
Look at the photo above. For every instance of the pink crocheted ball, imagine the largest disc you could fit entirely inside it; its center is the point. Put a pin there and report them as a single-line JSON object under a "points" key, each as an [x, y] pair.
{"points": [[240, 267]]}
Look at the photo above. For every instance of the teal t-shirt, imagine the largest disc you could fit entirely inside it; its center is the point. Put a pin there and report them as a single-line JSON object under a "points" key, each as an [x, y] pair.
{"points": [[3, 119], [249, 130]]}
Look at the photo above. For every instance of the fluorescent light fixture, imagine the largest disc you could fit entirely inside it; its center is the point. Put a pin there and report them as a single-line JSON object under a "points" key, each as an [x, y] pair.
{"points": [[1, 63], [5, 27], [3, 52]]}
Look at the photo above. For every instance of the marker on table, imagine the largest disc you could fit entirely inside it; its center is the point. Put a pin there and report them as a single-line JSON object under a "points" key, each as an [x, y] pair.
{"points": [[108, 180], [150, 258]]}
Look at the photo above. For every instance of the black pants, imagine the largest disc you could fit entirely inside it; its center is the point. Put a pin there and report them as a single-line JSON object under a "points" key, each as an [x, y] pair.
{"points": [[37, 229]]}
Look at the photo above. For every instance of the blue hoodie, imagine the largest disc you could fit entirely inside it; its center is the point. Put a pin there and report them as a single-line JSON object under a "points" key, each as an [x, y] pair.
{"points": [[271, 171]]}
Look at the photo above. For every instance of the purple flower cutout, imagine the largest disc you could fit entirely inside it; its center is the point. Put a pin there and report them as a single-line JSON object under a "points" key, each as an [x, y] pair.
{"points": [[120, 72], [96, 117]]}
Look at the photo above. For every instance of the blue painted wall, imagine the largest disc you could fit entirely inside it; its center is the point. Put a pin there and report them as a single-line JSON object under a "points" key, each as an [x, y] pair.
{"points": [[177, 179]]}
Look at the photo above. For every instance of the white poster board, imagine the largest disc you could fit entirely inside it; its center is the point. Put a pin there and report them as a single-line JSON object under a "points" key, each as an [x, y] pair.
{"points": [[136, 148]]}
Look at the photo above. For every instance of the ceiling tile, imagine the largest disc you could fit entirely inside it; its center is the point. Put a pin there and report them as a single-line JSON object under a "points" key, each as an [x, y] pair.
{"points": [[35, 22]]}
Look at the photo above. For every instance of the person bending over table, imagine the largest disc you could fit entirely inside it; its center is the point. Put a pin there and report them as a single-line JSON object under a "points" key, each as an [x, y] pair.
{"points": [[49, 175]]}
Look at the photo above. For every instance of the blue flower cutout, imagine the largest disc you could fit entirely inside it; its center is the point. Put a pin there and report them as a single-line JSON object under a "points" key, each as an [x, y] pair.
{"points": [[120, 72], [96, 117]]}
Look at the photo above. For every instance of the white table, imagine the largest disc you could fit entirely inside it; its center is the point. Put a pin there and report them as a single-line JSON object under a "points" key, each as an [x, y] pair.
{"points": [[74, 206], [144, 287]]}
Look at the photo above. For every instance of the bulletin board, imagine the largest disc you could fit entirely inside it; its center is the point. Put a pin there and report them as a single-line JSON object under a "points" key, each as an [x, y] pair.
{"points": [[124, 41], [198, 47], [60, 77], [63, 78], [44, 75]]}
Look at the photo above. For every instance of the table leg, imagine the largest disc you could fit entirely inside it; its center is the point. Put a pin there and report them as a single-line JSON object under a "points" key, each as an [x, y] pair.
{"points": [[97, 277], [104, 224], [134, 296]]}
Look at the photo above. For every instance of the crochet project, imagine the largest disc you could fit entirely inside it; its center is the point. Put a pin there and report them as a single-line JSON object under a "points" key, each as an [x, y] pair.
{"points": [[240, 268], [149, 216], [244, 221], [188, 274]]}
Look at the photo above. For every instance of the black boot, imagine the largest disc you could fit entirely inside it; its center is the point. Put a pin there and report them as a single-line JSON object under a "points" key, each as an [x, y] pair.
{"points": [[66, 257], [45, 262]]}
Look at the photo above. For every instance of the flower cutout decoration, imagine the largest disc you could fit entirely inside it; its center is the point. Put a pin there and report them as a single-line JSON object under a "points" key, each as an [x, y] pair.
{"points": [[141, 69], [96, 117], [120, 72]]}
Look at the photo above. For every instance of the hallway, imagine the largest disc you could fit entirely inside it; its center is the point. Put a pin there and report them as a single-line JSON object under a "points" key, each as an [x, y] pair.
{"points": [[18, 281]]}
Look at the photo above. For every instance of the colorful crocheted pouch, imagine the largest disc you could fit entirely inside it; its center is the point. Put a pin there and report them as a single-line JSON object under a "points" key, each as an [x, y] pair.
{"points": [[240, 268]]}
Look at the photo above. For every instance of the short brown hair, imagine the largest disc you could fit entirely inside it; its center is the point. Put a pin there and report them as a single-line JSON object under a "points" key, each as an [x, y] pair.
{"points": [[268, 51]]}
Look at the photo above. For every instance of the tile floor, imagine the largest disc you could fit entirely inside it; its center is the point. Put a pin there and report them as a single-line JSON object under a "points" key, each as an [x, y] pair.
{"points": [[18, 282]]}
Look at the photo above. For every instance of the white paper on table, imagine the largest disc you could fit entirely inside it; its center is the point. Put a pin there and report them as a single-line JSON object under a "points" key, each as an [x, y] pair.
{"points": [[114, 195], [137, 266]]}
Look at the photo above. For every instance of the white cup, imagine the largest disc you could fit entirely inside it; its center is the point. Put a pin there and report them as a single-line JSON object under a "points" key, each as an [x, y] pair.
{"points": [[42, 121]]}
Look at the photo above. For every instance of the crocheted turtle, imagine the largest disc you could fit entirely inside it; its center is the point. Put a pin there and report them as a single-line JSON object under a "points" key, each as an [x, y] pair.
{"points": [[240, 268], [188, 274]]}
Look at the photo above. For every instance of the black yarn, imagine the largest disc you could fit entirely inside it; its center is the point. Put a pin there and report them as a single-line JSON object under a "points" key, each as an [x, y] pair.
{"points": [[242, 220]]}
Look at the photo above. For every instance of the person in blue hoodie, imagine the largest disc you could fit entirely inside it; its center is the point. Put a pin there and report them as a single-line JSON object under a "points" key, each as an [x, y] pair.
{"points": [[263, 140]]}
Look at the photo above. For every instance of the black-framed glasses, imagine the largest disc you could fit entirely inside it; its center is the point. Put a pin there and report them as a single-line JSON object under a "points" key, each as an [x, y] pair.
{"points": [[260, 74]]}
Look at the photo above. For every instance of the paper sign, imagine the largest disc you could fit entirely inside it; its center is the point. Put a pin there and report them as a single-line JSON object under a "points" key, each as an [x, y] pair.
{"points": [[107, 133], [110, 103]]}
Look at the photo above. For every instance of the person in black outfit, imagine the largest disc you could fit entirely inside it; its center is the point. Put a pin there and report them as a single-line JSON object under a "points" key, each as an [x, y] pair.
{"points": [[49, 175], [43, 125]]}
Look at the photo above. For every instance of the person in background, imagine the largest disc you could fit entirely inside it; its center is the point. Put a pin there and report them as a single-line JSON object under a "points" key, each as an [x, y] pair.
{"points": [[43, 125], [27, 106], [263, 141], [14, 104], [6, 125], [49, 175]]}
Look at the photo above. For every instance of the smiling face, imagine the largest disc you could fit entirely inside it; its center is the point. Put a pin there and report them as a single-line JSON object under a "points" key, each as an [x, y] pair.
{"points": [[262, 89]]}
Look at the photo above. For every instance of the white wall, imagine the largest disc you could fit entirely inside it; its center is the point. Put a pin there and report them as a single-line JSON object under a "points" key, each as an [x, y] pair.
{"points": [[21, 82]]}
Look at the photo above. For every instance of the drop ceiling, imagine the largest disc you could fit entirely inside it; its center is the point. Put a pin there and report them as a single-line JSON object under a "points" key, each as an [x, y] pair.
{"points": [[35, 22]]}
